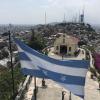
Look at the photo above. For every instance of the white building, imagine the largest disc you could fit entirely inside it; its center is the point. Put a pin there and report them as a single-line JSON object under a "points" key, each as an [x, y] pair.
{"points": [[65, 44]]}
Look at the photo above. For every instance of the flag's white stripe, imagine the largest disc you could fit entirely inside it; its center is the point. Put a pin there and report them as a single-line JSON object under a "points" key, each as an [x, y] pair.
{"points": [[77, 89], [56, 68], [29, 65], [20, 49]]}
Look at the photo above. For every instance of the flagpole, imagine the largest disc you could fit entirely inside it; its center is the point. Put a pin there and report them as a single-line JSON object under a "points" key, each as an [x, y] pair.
{"points": [[70, 98], [13, 87], [63, 94], [43, 79], [35, 91]]}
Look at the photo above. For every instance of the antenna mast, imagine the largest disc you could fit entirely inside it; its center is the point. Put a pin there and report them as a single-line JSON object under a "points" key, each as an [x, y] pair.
{"points": [[45, 18]]}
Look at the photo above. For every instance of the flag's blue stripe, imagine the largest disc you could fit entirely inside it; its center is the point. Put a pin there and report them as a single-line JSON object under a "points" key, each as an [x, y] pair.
{"points": [[82, 96], [76, 80], [72, 63], [23, 56], [31, 72]]}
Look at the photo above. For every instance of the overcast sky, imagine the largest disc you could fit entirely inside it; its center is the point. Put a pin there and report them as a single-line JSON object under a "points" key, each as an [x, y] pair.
{"points": [[32, 11]]}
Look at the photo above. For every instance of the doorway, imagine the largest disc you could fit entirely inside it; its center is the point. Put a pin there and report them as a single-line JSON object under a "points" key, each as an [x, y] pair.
{"points": [[63, 49]]}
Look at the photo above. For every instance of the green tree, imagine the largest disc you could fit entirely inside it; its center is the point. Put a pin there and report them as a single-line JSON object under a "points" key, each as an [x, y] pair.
{"points": [[37, 41], [6, 82], [1, 56]]}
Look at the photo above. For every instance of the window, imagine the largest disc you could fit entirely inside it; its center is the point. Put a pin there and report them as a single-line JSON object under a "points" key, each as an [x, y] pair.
{"points": [[69, 48]]}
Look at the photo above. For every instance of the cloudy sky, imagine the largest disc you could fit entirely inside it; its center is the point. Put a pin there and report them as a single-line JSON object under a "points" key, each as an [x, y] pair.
{"points": [[32, 11]]}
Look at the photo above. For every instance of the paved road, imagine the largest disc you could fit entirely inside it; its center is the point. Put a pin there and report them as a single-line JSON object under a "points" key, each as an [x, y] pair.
{"points": [[49, 94], [79, 57]]}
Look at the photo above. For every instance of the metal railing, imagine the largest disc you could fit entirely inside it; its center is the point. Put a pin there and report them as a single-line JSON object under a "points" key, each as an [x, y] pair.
{"points": [[24, 88]]}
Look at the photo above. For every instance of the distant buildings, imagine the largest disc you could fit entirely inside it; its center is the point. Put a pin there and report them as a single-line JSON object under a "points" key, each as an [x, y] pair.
{"points": [[2, 43]]}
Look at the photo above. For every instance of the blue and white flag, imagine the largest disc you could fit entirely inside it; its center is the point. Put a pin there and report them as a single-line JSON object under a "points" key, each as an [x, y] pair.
{"points": [[70, 73]]}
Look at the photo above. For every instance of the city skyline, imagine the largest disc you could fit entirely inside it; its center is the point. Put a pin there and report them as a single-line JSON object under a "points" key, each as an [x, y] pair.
{"points": [[33, 11]]}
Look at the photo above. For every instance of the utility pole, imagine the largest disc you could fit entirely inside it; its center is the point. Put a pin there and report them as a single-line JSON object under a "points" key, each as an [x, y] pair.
{"points": [[64, 20], [10, 47]]}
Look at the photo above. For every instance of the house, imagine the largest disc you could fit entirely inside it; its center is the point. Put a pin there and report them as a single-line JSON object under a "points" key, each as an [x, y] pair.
{"points": [[65, 44]]}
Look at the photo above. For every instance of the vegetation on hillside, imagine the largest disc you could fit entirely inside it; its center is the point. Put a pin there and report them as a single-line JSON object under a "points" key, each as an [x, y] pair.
{"points": [[37, 42], [6, 82], [3, 54]]}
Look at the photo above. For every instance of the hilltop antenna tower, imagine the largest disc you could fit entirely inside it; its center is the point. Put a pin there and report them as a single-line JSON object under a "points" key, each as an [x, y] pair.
{"points": [[81, 17], [64, 20], [45, 18]]}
